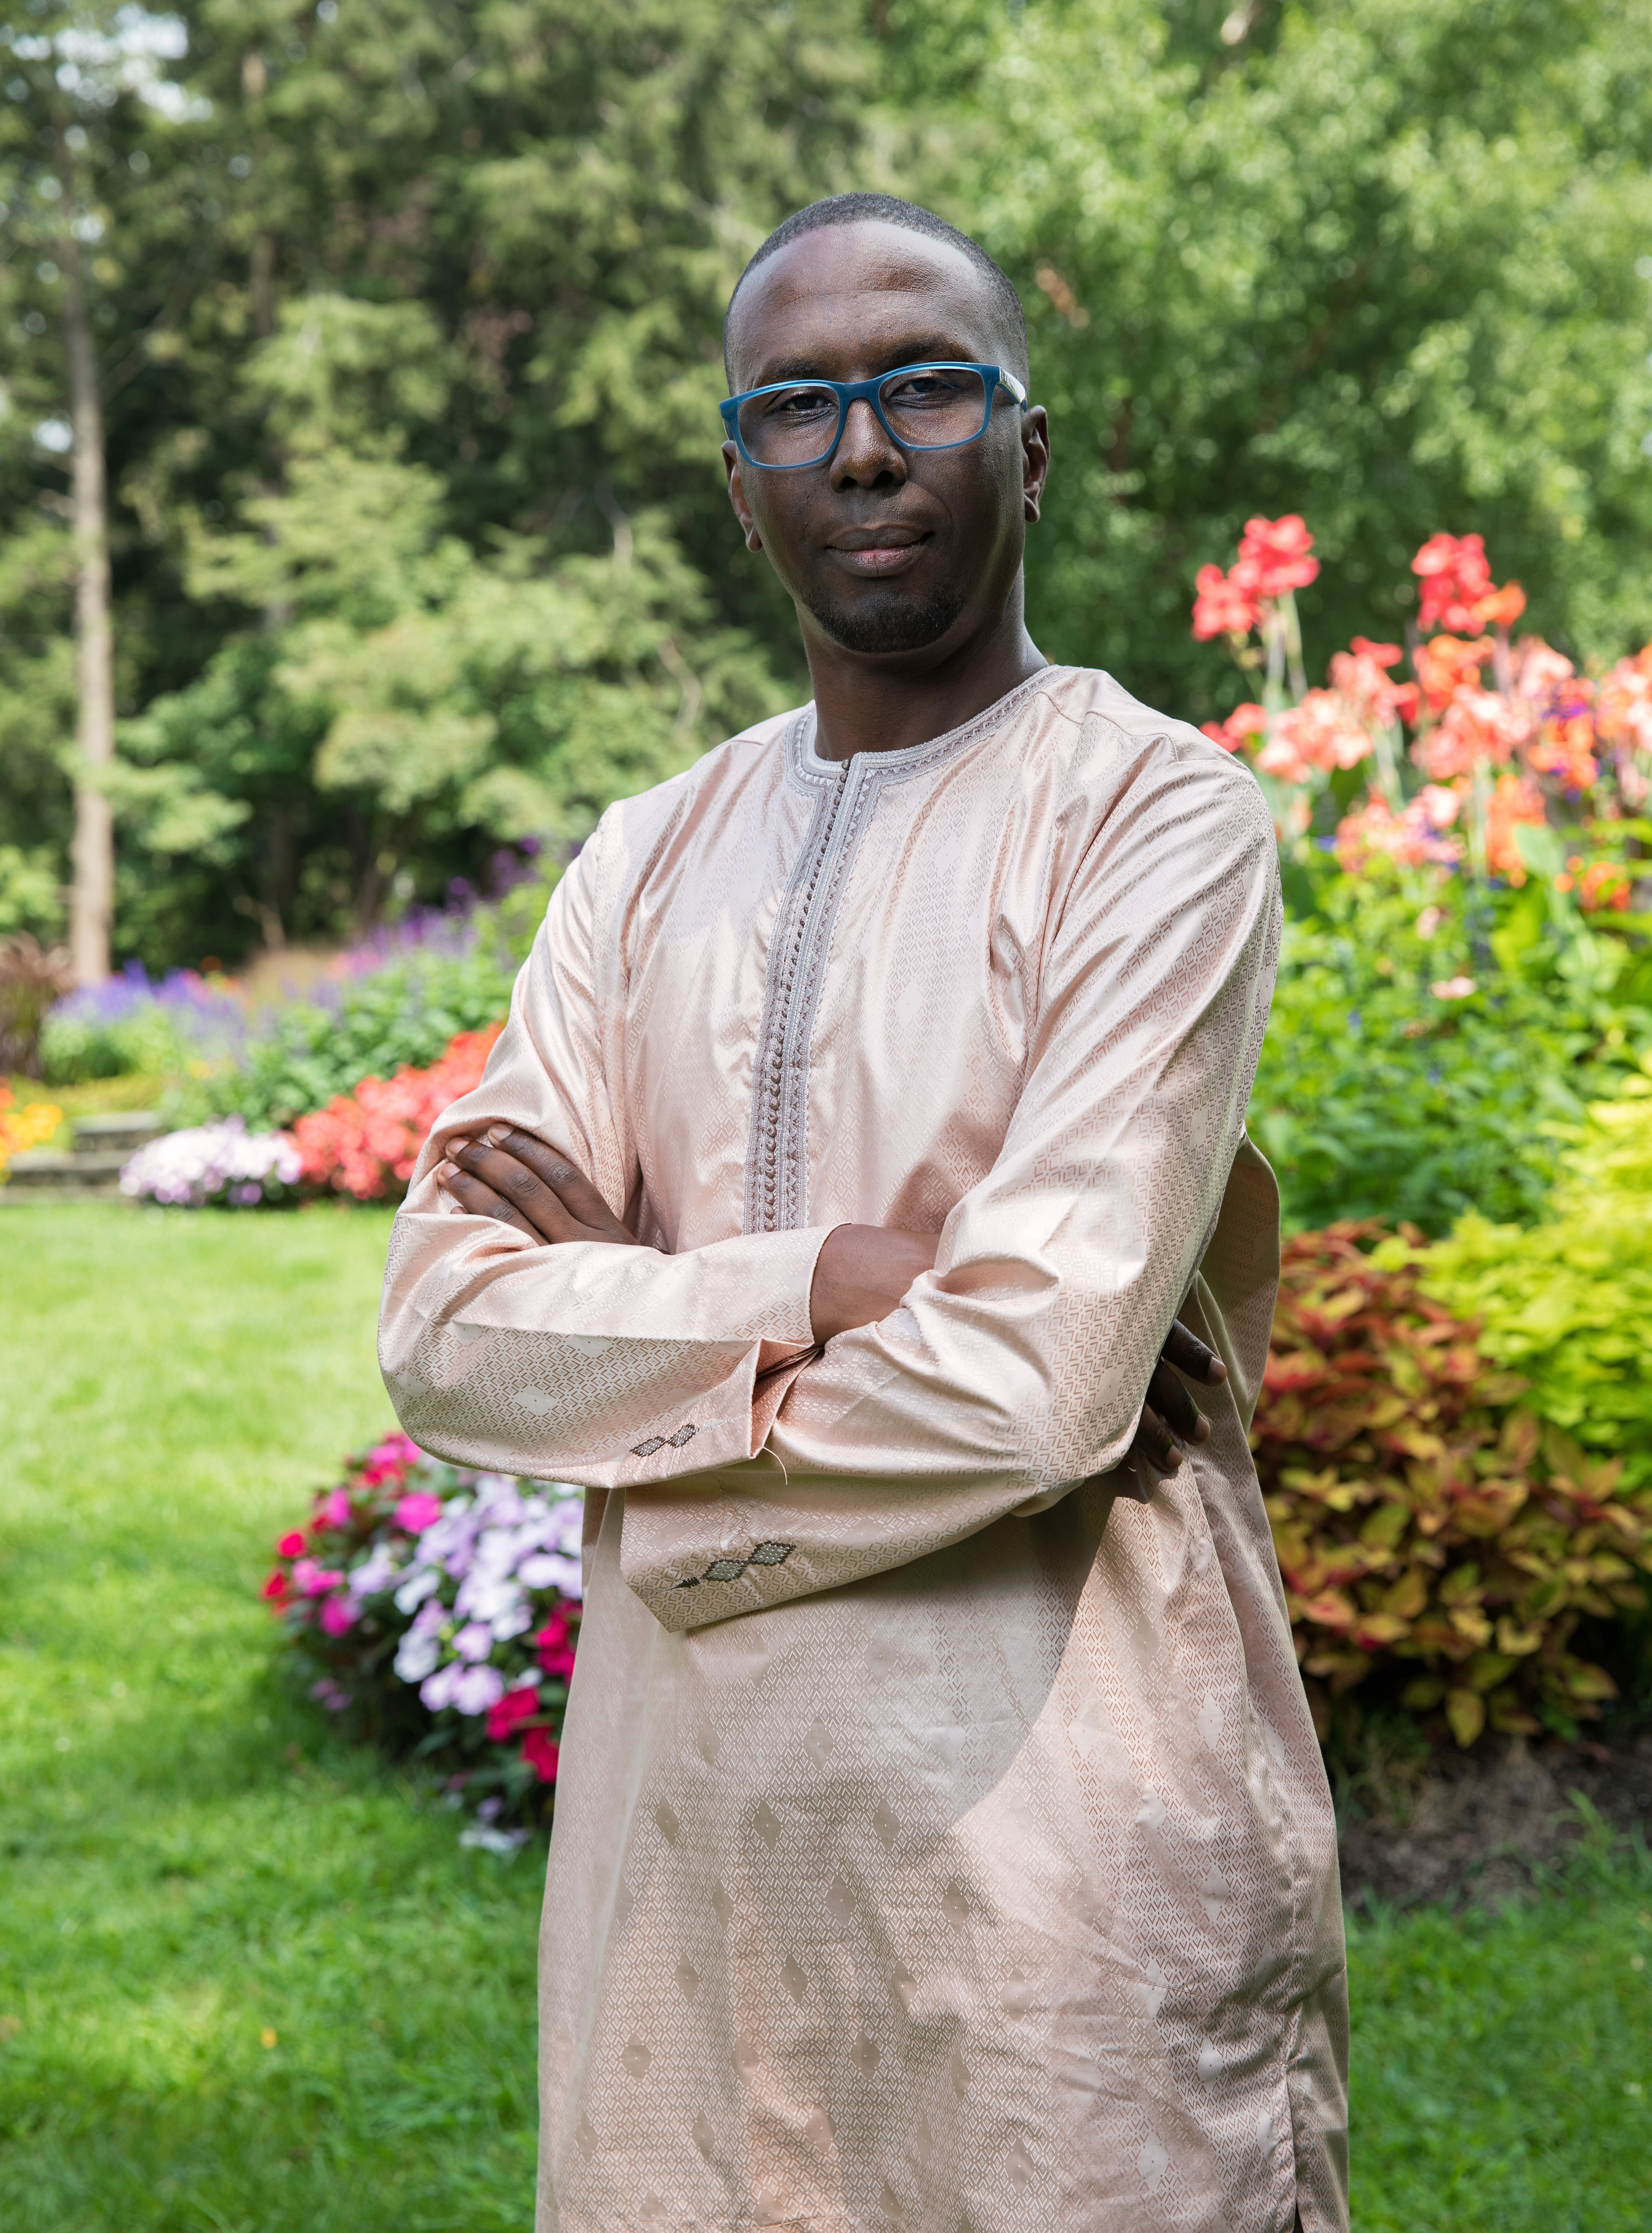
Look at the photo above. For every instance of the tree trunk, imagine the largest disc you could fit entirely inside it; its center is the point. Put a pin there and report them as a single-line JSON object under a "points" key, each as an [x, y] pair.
{"points": [[92, 906]]}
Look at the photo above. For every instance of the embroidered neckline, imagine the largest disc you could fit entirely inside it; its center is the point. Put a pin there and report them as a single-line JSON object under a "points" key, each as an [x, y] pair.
{"points": [[911, 760]]}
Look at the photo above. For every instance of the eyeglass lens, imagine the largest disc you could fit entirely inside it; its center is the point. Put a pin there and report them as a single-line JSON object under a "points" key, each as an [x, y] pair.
{"points": [[927, 409]]}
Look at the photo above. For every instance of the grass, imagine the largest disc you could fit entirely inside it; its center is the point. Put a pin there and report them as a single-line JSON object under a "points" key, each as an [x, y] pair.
{"points": [[248, 1981], [247, 1984]]}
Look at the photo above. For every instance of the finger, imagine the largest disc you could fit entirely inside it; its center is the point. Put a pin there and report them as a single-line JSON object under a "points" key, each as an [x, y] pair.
{"points": [[565, 1180], [1176, 1407], [1183, 1348], [479, 1201], [1154, 1442], [545, 1213]]}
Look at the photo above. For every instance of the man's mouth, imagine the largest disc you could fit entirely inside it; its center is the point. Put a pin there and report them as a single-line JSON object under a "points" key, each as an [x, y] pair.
{"points": [[877, 549]]}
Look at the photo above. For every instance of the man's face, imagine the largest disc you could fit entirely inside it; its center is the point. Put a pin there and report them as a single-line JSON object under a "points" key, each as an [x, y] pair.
{"points": [[890, 551]]}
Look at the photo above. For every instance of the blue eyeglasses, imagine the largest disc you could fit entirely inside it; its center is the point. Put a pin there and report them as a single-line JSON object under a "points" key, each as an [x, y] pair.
{"points": [[922, 406]]}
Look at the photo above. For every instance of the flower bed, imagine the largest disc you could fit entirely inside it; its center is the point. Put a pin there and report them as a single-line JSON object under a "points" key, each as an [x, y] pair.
{"points": [[23, 1127], [364, 1143], [222, 1164], [1430, 1528], [436, 1610]]}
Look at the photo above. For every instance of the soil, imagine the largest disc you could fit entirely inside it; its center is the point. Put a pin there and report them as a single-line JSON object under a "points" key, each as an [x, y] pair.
{"points": [[1485, 1827]]}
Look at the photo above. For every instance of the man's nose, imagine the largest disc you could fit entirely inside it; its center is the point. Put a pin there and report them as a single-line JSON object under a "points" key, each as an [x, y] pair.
{"points": [[866, 454]]}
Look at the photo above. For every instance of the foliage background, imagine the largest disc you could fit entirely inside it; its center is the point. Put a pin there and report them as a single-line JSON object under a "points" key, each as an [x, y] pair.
{"points": [[410, 329]]}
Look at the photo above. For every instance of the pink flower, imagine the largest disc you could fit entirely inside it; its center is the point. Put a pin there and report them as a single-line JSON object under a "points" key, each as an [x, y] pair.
{"points": [[1452, 988], [291, 1543], [417, 1510], [507, 1715], [312, 1581], [338, 1615], [1318, 733], [274, 1590], [539, 1749], [336, 1508]]}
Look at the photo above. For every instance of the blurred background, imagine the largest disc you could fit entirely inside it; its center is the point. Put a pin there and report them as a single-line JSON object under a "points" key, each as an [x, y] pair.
{"points": [[362, 536]]}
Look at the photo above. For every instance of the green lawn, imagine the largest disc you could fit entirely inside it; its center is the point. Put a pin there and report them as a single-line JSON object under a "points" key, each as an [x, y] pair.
{"points": [[249, 1984]]}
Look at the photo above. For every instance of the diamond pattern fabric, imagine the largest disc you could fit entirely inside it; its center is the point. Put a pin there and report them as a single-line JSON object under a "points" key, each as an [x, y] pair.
{"points": [[941, 1841]]}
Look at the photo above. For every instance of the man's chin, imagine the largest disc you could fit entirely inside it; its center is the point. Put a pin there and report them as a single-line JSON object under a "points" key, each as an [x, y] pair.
{"points": [[887, 621]]}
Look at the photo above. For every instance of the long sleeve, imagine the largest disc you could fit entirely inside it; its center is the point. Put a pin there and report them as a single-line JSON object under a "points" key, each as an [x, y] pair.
{"points": [[1018, 1367], [586, 1362]]}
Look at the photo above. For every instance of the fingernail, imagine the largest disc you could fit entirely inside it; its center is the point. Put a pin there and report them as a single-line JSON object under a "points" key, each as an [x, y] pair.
{"points": [[495, 1134]]}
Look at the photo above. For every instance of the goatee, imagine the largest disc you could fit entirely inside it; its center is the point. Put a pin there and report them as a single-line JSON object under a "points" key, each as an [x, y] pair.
{"points": [[889, 622]]}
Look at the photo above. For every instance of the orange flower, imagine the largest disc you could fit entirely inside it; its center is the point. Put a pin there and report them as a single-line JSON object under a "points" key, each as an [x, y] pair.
{"points": [[1604, 884], [1564, 750], [1245, 725], [1446, 662], [1361, 677], [1515, 801], [1480, 726], [1457, 588], [365, 1143], [1411, 837], [1319, 733]]}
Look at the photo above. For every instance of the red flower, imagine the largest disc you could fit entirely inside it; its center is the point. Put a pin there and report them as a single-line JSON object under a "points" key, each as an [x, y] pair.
{"points": [[274, 1590], [506, 1716], [539, 1749], [556, 1653], [1222, 606], [291, 1544], [1457, 590], [1274, 555]]}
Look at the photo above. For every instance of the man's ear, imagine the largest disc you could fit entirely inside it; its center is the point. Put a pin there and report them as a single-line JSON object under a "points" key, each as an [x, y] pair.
{"points": [[737, 497], [1035, 459]]}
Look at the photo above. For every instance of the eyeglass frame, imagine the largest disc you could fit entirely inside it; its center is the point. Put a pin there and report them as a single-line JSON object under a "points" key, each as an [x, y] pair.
{"points": [[849, 392]]}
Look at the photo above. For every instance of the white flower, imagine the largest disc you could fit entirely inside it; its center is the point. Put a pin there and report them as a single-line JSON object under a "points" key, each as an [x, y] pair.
{"points": [[487, 1839], [477, 1689], [437, 1691], [416, 1656], [512, 1621], [220, 1162], [414, 1592], [474, 1641], [547, 1570], [375, 1573]]}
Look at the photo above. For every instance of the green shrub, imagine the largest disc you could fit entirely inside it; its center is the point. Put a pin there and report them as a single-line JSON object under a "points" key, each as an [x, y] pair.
{"points": [[1379, 1096], [1567, 1303], [406, 1010]]}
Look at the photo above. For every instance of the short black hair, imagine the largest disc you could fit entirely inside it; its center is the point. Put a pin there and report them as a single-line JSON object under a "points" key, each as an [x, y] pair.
{"points": [[889, 209]]}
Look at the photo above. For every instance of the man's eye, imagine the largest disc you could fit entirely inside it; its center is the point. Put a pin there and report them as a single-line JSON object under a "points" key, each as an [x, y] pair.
{"points": [[802, 403], [920, 388]]}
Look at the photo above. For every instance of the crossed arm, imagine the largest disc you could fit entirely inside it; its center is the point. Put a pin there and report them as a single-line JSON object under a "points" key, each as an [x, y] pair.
{"points": [[861, 1275]]}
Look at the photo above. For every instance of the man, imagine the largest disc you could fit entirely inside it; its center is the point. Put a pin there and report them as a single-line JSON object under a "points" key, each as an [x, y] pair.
{"points": [[942, 1841]]}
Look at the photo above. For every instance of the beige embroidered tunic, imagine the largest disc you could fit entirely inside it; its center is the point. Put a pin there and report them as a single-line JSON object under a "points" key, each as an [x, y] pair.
{"points": [[941, 1841]]}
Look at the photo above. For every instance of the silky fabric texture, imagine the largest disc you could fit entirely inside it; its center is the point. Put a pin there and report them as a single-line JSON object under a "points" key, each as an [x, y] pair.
{"points": [[941, 1838]]}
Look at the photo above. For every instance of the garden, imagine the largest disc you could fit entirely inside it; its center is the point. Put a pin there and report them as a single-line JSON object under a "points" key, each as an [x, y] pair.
{"points": [[332, 1759], [391, 334]]}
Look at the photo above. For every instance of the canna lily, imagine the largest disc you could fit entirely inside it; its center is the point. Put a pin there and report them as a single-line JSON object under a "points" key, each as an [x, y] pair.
{"points": [[1222, 605], [1274, 555]]}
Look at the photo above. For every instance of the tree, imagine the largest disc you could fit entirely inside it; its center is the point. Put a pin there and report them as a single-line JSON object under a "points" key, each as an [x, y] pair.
{"points": [[1372, 261], [72, 76]]}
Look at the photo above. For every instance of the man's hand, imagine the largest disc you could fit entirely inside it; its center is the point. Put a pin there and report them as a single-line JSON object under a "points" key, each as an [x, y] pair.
{"points": [[1170, 1418], [862, 1272], [511, 1176]]}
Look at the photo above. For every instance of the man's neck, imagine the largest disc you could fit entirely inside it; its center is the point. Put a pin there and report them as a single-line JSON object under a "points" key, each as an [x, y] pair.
{"points": [[868, 705]]}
